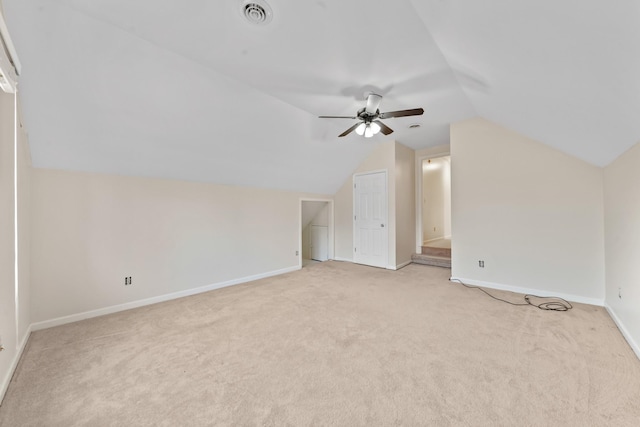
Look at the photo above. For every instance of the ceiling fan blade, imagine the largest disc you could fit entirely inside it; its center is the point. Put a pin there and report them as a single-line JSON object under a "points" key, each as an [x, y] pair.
{"points": [[383, 128], [348, 131], [337, 117], [373, 101], [402, 113]]}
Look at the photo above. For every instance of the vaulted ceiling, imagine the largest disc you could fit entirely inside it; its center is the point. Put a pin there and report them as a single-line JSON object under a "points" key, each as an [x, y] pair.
{"points": [[191, 90]]}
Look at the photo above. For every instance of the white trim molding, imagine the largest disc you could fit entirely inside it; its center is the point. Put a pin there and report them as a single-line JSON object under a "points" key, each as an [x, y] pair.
{"points": [[402, 264], [154, 300], [569, 297], [9, 62], [14, 364], [625, 333]]}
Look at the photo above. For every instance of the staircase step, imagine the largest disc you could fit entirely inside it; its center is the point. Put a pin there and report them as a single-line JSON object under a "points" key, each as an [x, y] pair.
{"points": [[441, 252], [437, 261]]}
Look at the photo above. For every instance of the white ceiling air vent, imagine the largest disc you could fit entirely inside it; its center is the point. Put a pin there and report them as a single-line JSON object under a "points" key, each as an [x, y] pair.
{"points": [[9, 64], [257, 12]]}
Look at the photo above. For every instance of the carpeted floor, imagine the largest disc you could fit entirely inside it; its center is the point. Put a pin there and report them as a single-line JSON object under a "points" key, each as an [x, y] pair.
{"points": [[439, 243], [332, 344]]}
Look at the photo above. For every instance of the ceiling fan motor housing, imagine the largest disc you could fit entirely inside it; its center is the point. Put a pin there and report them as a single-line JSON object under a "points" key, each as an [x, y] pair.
{"points": [[367, 117]]}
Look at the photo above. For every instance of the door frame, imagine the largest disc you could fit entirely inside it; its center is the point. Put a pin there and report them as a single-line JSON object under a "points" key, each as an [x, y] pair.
{"points": [[420, 196], [353, 213], [330, 228]]}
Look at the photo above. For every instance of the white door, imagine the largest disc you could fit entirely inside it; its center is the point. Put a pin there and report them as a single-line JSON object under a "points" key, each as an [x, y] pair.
{"points": [[370, 232], [319, 243]]}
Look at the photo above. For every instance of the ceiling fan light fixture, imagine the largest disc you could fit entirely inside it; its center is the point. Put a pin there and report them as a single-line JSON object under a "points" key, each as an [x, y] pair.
{"points": [[375, 127], [369, 118], [368, 132]]}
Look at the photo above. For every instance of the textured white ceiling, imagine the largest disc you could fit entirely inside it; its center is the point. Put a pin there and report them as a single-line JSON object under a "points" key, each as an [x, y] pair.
{"points": [[189, 90], [566, 73]]}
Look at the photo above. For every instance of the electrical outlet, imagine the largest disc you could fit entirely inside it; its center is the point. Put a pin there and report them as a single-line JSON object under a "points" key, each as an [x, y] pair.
{"points": [[297, 253], [481, 264], [127, 280]]}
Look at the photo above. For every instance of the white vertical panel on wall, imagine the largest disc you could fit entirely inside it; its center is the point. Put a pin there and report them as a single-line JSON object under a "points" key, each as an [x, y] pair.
{"points": [[24, 230], [8, 327]]}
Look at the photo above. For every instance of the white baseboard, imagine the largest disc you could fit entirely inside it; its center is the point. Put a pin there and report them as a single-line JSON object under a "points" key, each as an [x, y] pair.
{"points": [[154, 300], [569, 297], [402, 264], [625, 333], [342, 259], [14, 364]]}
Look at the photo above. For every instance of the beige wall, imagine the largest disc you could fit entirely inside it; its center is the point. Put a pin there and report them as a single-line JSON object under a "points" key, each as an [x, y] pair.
{"points": [[533, 214], [622, 242], [431, 152], [447, 195], [89, 231], [405, 204]]}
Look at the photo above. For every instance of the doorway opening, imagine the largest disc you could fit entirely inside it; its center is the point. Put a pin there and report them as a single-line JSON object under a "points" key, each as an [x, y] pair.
{"points": [[316, 231], [434, 241]]}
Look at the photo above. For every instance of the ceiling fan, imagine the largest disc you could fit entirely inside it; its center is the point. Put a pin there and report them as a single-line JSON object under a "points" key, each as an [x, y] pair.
{"points": [[370, 116]]}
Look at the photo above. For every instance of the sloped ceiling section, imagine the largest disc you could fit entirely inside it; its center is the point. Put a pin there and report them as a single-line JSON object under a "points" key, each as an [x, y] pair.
{"points": [[565, 73], [190, 90]]}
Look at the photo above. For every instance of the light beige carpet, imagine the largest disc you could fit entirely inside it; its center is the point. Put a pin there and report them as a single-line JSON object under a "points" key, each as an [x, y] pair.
{"points": [[439, 243], [332, 344]]}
